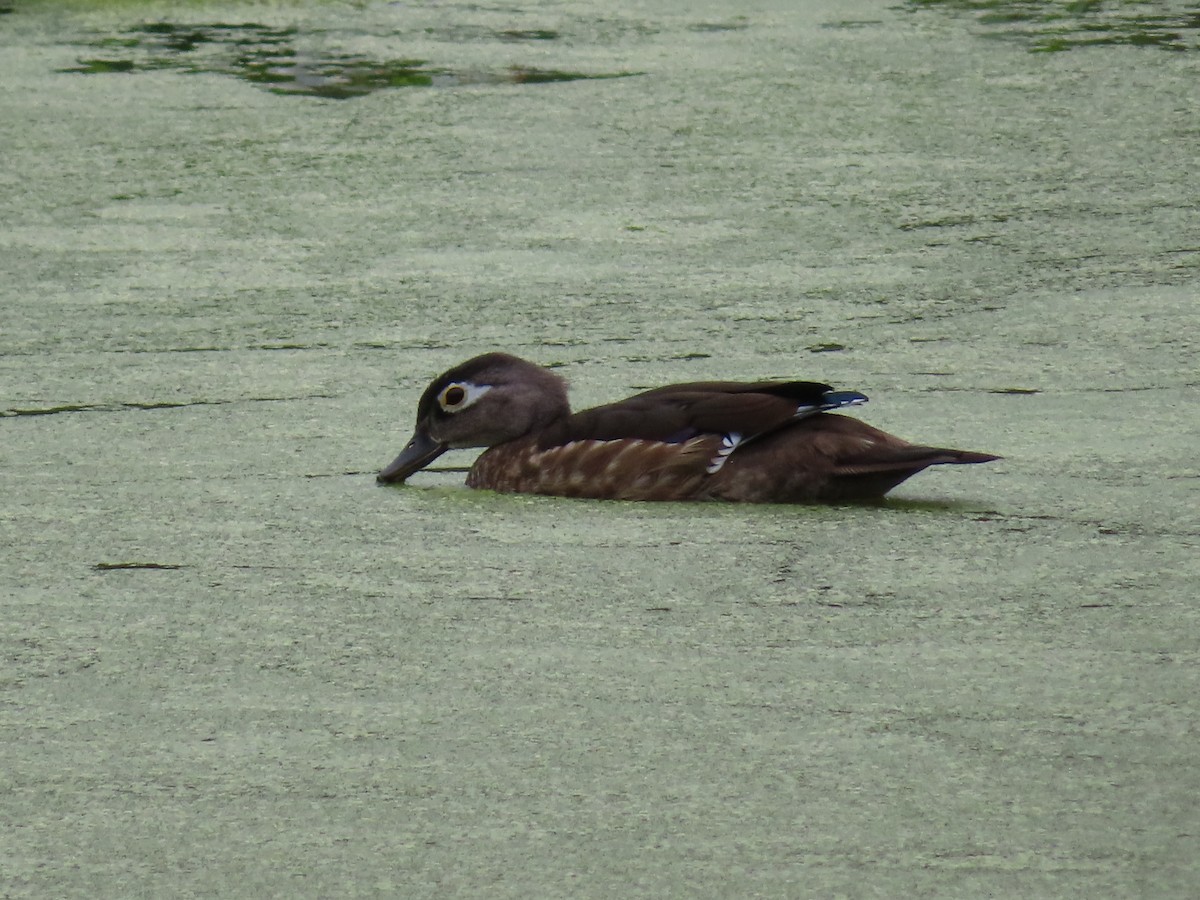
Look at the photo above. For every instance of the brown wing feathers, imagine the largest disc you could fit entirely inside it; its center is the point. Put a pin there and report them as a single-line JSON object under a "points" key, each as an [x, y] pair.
{"points": [[680, 412], [856, 448]]}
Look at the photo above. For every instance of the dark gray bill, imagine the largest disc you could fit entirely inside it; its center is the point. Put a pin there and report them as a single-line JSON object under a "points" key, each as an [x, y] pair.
{"points": [[416, 455]]}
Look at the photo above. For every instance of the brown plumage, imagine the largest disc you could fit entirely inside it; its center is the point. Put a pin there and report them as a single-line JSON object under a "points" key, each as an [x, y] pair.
{"points": [[763, 442]]}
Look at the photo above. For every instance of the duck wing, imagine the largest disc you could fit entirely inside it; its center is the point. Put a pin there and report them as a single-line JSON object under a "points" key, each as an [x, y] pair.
{"points": [[677, 413], [829, 459]]}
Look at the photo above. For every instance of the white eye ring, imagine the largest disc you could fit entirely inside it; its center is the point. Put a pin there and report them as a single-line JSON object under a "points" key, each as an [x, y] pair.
{"points": [[458, 395]]}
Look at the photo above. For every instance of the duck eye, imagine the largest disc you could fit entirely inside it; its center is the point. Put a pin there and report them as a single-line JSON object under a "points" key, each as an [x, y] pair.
{"points": [[453, 396]]}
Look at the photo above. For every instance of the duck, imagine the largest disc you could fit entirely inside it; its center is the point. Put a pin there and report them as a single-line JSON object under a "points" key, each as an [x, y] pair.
{"points": [[749, 442]]}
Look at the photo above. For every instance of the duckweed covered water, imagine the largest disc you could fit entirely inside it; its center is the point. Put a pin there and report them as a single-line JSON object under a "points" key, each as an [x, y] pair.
{"points": [[1051, 27], [271, 57], [233, 665]]}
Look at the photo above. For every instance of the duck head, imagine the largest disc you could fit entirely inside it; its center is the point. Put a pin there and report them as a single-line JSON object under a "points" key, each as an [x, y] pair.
{"points": [[488, 400]]}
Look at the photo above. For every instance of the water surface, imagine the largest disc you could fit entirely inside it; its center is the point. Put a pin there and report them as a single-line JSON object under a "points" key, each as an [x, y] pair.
{"points": [[233, 251]]}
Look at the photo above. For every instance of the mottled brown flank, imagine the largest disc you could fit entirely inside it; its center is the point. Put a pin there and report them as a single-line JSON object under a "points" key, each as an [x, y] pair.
{"points": [[825, 458], [630, 469]]}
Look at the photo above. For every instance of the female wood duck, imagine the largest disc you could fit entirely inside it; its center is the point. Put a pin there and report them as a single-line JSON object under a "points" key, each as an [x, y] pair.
{"points": [[761, 442]]}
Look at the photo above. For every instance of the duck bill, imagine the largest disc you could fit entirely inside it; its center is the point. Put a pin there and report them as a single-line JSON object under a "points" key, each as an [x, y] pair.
{"points": [[419, 452]]}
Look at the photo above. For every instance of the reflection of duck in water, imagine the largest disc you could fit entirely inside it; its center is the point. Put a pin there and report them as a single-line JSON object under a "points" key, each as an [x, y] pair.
{"points": [[761, 442]]}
